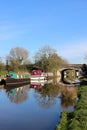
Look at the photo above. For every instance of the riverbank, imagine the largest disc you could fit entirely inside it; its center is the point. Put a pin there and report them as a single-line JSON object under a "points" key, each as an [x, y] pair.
{"points": [[77, 119]]}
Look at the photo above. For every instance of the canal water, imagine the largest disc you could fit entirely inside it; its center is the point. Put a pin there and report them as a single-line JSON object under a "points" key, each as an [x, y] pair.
{"points": [[34, 106]]}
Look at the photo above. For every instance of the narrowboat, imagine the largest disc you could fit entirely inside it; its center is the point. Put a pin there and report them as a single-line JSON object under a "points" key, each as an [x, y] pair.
{"points": [[37, 75], [13, 78], [17, 94]]}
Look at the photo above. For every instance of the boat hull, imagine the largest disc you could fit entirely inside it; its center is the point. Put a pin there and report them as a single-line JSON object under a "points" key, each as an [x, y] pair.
{"points": [[12, 81]]}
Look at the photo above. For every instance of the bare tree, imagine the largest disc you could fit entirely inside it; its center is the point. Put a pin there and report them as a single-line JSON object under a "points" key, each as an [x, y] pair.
{"points": [[18, 56], [45, 51]]}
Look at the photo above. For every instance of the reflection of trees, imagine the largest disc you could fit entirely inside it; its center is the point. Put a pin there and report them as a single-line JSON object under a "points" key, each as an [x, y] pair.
{"points": [[68, 96], [46, 96], [45, 101], [18, 95]]}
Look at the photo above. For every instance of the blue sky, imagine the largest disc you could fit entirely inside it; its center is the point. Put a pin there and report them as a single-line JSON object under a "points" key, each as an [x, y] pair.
{"points": [[32, 24]]}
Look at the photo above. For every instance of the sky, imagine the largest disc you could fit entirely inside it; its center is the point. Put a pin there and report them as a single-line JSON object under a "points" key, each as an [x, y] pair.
{"points": [[33, 24]]}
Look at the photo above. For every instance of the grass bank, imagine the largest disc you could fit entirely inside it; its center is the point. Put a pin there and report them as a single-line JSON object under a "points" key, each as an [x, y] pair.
{"points": [[76, 120]]}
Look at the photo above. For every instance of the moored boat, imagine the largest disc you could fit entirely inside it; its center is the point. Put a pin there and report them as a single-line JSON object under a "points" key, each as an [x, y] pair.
{"points": [[37, 75], [15, 78]]}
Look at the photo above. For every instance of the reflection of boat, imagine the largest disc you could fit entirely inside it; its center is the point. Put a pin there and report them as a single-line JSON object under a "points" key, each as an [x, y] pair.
{"points": [[17, 90], [18, 94], [37, 84], [15, 78], [38, 75]]}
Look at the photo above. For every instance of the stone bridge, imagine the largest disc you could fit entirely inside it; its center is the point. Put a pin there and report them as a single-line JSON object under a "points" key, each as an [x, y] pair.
{"points": [[75, 67], [70, 67], [70, 70]]}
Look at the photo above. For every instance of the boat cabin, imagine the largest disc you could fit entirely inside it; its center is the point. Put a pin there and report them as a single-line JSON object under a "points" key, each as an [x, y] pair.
{"points": [[36, 72]]}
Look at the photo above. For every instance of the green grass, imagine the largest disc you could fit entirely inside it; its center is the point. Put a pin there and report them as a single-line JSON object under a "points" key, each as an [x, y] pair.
{"points": [[76, 120], [63, 123]]}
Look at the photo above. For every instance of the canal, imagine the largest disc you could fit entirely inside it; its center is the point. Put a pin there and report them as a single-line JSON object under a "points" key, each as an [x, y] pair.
{"points": [[34, 106]]}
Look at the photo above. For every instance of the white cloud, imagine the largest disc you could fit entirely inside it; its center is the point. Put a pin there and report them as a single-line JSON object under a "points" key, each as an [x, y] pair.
{"points": [[73, 51]]}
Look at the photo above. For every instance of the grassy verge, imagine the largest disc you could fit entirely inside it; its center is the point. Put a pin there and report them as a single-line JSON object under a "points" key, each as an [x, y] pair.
{"points": [[63, 122], [76, 120]]}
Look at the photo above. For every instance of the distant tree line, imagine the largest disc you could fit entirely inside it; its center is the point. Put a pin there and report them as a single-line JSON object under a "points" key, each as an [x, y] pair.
{"points": [[46, 58]]}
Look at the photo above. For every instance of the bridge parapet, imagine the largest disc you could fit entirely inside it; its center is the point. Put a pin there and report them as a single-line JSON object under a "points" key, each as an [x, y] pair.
{"points": [[74, 65]]}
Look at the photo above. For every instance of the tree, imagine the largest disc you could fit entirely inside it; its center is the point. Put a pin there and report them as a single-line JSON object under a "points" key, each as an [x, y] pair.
{"points": [[45, 51], [2, 66], [41, 57], [55, 61], [48, 59], [18, 56]]}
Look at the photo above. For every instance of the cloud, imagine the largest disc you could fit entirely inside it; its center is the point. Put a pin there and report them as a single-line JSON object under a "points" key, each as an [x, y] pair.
{"points": [[72, 50]]}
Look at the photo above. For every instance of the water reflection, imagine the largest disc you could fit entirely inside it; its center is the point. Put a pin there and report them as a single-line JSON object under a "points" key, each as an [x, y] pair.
{"points": [[68, 96], [48, 94], [45, 93], [38, 84], [42, 104], [17, 95]]}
